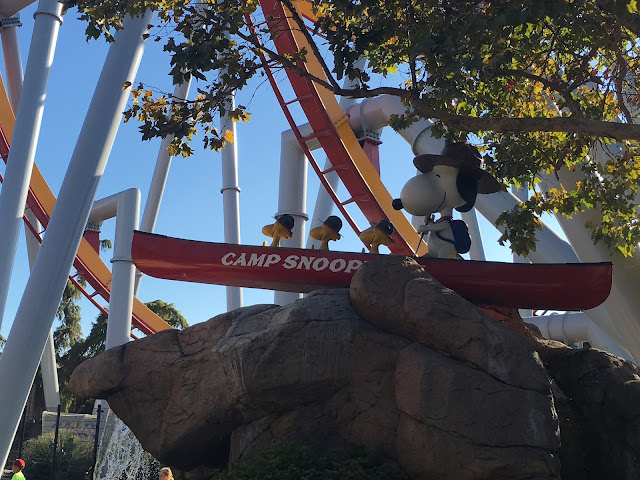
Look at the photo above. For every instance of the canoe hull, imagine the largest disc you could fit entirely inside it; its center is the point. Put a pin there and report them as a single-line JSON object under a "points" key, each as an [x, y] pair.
{"points": [[576, 286]]}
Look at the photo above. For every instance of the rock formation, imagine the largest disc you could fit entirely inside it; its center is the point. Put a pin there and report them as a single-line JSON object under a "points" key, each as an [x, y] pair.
{"points": [[399, 364]]}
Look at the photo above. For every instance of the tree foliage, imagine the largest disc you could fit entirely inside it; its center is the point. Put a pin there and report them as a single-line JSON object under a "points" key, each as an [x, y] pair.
{"points": [[69, 332], [537, 84], [305, 460]]}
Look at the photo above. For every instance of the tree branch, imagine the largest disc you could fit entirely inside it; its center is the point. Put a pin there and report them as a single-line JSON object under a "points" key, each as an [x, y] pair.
{"points": [[573, 106], [572, 124]]}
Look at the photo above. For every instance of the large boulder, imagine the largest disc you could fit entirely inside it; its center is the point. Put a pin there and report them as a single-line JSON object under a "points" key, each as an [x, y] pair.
{"points": [[398, 363]]}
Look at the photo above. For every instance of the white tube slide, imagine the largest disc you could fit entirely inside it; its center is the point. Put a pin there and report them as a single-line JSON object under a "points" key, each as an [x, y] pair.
{"points": [[376, 113], [575, 327], [623, 303], [551, 248]]}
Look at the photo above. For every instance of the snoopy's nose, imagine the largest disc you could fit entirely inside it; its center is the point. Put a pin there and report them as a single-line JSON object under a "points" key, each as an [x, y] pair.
{"points": [[397, 204]]}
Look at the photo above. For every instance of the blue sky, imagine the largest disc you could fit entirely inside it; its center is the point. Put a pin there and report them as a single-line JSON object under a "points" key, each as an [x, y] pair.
{"points": [[192, 203]]}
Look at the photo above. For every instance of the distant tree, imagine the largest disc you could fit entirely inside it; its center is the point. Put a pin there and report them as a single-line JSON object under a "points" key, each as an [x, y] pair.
{"points": [[69, 332], [536, 83], [69, 312], [169, 313]]}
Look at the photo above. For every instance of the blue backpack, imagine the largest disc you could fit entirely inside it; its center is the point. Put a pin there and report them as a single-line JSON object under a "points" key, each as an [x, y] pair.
{"points": [[461, 238]]}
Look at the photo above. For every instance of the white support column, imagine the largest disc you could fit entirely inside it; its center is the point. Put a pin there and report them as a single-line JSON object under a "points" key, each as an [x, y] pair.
{"points": [[49, 369], [477, 249], [292, 200], [48, 364], [231, 196], [12, 60], [25, 138], [14, 79], [19, 361], [551, 248], [125, 206], [159, 180]]}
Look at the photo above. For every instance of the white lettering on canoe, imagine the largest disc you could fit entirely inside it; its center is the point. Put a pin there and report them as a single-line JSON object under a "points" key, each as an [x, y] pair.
{"points": [[320, 264], [256, 260], [337, 265], [305, 262], [290, 262], [228, 258], [353, 265], [271, 259], [301, 262], [241, 260]]}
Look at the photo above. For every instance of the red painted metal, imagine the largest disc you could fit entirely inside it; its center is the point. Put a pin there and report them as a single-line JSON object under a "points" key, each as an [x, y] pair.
{"points": [[372, 148], [577, 286], [323, 127], [302, 141]]}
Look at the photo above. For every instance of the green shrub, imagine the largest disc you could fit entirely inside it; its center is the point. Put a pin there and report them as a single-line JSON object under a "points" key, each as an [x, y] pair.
{"points": [[72, 451], [299, 461]]}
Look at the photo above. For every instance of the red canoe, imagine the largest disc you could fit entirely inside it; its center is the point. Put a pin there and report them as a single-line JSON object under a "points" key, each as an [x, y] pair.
{"points": [[574, 286]]}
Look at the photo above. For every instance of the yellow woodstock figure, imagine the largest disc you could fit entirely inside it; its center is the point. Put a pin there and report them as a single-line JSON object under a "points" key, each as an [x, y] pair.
{"points": [[379, 234], [326, 232], [280, 229]]}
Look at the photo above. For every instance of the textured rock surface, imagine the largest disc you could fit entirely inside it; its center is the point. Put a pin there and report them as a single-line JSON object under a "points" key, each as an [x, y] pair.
{"points": [[399, 364]]}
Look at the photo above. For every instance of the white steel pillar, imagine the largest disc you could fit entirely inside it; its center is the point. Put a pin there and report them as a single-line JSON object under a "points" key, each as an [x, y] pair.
{"points": [[12, 60], [477, 249], [14, 79], [125, 206], [292, 200], [48, 364], [19, 361], [551, 248], [159, 180], [230, 195], [25, 138]]}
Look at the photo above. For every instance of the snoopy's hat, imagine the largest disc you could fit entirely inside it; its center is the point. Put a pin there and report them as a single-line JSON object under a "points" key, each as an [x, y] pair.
{"points": [[466, 158]]}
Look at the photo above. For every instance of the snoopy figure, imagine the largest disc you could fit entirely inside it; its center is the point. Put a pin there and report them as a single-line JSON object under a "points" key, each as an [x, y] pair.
{"points": [[450, 180]]}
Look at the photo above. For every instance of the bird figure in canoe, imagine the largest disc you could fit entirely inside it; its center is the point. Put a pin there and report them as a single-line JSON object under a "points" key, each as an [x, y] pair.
{"points": [[378, 234], [278, 230], [326, 232]]}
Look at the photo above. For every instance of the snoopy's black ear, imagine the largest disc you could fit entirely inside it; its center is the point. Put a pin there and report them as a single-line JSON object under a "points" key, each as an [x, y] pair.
{"points": [[397, 204], [467, 189]]}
